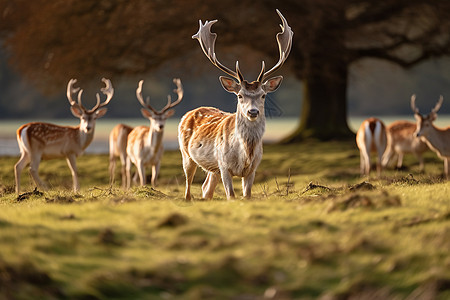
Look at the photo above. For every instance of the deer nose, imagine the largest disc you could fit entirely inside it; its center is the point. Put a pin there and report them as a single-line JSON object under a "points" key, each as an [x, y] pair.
{"points": [[253, 113]]}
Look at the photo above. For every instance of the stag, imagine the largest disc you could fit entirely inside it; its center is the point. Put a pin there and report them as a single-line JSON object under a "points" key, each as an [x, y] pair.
{"points": [[438, 139], [229, 144], [144, 144], [40, 140]]}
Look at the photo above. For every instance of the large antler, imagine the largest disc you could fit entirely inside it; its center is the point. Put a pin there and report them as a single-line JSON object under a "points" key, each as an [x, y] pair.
{"points": [[284, 40], [146, 103], [433, 111], [108, 90], [207, 41]]}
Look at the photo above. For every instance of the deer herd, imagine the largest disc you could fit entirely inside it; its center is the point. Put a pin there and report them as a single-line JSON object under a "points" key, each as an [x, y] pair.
{"points": [[223, 144]]}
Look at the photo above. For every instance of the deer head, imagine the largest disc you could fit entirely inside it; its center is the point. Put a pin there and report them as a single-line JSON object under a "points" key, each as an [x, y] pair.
{"points": [[425, 123], [158, 118], [250, 94], [88, 116]]}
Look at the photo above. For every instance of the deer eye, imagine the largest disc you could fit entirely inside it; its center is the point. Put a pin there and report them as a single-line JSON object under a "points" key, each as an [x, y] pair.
{"points": [[263, 96], [240, 97]]}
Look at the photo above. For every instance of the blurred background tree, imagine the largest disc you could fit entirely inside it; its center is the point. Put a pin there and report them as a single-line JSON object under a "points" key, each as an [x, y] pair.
{"points": [[49, 42]]}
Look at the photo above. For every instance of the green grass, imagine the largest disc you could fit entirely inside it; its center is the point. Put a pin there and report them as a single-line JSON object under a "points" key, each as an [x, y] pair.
{"points": [[313, 229]]}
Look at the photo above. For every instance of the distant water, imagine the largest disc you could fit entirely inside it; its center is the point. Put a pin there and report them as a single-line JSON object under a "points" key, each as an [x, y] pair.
{"points": [[276, 128]]}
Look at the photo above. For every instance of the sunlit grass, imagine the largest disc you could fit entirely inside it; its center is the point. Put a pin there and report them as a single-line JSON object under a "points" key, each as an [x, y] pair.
{"points": [[311, 230]]}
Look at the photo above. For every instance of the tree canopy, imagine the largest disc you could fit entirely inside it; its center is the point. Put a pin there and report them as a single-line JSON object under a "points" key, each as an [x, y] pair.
{"points": [[52, 41]]}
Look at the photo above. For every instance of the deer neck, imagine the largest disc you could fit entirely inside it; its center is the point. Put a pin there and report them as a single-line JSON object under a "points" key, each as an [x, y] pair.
{"points": [[436, 141], [155, 139], [85, 138], [249, 133]]}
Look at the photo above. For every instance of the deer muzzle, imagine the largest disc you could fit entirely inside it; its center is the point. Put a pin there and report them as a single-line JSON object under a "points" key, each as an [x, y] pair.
{"points": [[252, 114]]}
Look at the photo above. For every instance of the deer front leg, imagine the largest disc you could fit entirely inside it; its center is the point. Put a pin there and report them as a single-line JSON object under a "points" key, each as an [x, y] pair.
{"points": [[155, 172], [227, 181], [247, 183], [141, 170], [209, 185], [189, 167], [72, 162]]}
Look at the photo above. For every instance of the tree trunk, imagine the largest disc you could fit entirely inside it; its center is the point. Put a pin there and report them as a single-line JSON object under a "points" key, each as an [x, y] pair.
{"points": [[324, 110]]}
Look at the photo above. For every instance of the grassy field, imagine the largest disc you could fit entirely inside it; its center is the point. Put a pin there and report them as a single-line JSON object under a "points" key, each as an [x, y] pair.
{"points": [[314, 230]]}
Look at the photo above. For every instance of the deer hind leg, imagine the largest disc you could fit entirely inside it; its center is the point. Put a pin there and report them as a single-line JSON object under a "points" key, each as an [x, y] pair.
{"points": [[247, 183], [72, 162], [34, 166], [446, 167], [18, 167], [128, 172], [209, 185], [123, 171], [364, 162], [112, 169]]}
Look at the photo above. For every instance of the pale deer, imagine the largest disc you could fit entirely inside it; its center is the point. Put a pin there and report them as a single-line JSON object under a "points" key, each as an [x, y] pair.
{"points": [[118, 148], [371, 137], [45, 141], [401, 140], [229, 144], [145, 144], [438, 139]]}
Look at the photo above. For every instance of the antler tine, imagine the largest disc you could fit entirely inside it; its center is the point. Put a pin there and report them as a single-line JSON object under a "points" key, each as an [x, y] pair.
{"points": [[207, 40], [413, 104], [284, 40], [79, 100], [71, 90], [146, 103], [179, 91], [438, 105]]}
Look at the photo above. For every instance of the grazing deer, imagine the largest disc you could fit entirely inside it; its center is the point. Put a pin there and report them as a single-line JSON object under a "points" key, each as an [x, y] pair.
{"points": [[44, 141], [401, 140], [229, 144], [118, 148], [144, 144], [371, 137], [438, 139]]}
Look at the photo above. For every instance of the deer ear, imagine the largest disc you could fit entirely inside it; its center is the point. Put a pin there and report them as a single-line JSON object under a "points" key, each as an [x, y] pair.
{"points": [[169, 113], [272, 84], [76, 111], [146, 113], [100, 113], [229, 84]]}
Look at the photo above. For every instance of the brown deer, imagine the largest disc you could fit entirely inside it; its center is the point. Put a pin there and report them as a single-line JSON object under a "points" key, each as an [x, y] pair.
{"points": [[118, 148], [229, 144], [401, 140], [371, 137], [45, 141], [438, 139], [145, 144]]}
